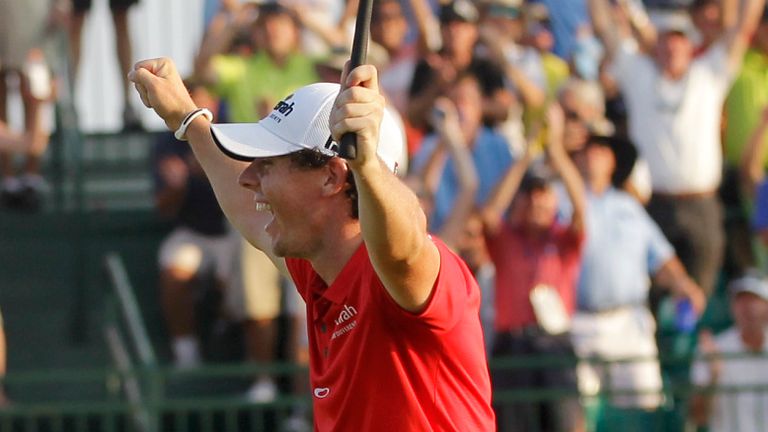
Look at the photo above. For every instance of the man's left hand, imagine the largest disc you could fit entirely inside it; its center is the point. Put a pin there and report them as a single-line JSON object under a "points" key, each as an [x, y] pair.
{"points": [[358, 109]]}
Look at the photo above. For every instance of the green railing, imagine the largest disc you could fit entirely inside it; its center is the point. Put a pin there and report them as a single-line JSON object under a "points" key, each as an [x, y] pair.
{"points": [[137, 393], [123, 299], [196, 410], [169, 399]]}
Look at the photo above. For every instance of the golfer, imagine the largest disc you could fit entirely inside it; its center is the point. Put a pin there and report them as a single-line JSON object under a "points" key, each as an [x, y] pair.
{"points": [[392, 313]]}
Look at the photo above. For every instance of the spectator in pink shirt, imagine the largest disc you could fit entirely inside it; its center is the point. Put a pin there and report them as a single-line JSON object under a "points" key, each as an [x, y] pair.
{"points": [[537, 261]]}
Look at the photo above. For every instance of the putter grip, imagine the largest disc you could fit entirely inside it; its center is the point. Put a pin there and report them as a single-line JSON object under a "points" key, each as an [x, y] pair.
{"points": [[348, 144]]}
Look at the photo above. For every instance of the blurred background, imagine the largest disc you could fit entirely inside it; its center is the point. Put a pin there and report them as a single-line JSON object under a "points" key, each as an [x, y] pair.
{"points": [[622, 279]]}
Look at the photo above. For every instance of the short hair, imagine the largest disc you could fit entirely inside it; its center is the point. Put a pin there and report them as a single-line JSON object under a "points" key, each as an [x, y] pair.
{"points": [[470, 74], [378, 6], [587, 92], [271, 9], [310, 159], [698, 4]]}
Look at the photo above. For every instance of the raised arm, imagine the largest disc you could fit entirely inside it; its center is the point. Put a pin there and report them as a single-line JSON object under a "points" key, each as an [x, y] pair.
{"points": [[531, 93], [219, 36], [751, 168], [446, 123], [738, 35], [730, 12], [427, 26], [162, 89], [562, 163], [601, 14], [332, 34], [432, 79], [496, 206], [393, 224], [673, 276], [639, 23], [349, 14]]}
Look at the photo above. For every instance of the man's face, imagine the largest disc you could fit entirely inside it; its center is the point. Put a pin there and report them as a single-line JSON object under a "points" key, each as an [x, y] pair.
{"points": [[278, 34], [596, 163], [749, 311], [390, 27], [575, 133], [539, 208], [674, 53], [541, 37], [472, 242], [512, 28], [468, 99], [288, 193], [459, 36]]}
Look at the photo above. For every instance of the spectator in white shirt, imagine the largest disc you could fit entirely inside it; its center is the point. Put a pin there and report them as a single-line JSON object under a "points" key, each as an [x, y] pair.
{"points": [[674, 103], [731, 374]]}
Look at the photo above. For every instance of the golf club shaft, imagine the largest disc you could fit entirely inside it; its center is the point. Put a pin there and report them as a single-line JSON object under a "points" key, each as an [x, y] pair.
{"points": [[348, 145]]}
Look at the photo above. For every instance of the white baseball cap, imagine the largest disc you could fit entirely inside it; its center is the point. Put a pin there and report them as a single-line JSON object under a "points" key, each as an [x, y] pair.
{"points": [[673, 22], [752, 282], [300, 121]]}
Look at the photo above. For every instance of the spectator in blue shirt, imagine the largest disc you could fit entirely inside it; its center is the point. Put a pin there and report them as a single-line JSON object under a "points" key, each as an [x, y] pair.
{"points": [[624, 247], [490, 153], [566, 17]]}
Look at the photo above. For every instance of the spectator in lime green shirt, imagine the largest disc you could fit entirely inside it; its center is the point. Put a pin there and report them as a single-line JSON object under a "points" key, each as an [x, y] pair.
{"points": [[748, 96], [251, 84], [742, 111]]}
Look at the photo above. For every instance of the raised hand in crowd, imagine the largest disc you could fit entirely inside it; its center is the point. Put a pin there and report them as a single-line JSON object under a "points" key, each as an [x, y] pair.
{"points": [[495, 39], [452, 144], [234, 18], [563, 165]]}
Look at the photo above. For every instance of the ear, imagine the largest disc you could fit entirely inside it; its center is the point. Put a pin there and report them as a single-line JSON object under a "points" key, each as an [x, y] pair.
{"points": [[335, 181]]}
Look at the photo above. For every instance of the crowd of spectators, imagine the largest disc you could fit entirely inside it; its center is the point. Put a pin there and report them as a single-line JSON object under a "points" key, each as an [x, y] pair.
{"points": [[589, 159]]}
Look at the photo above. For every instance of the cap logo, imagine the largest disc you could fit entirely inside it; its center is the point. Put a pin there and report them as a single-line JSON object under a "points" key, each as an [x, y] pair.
{"points": [[282, 107]]}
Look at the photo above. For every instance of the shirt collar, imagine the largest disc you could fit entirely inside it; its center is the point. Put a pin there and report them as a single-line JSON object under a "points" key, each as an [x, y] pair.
{"points": [[338, 290]]}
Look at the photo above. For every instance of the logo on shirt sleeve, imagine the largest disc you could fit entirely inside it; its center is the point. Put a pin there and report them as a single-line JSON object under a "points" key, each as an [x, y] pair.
{"points": [[322, 392]]}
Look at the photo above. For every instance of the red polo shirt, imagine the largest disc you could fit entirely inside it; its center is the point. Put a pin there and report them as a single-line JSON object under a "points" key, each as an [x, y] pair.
{"points": [[522, 262], [376, 367]]}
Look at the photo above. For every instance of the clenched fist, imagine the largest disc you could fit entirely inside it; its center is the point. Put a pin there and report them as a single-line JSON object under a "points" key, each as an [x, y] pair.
{"points": [[161, 88]]}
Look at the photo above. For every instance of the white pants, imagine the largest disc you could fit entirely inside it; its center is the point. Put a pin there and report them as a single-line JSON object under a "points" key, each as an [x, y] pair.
{"points": [[194, 253], [617, 336]]}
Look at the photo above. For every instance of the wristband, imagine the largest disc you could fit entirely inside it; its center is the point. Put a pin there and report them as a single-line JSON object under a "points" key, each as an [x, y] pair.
{"points": [[181, 132]]}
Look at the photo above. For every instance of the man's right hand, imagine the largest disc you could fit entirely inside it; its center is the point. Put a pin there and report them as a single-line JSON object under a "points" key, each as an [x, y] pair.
{"points": [[161, 88]]}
